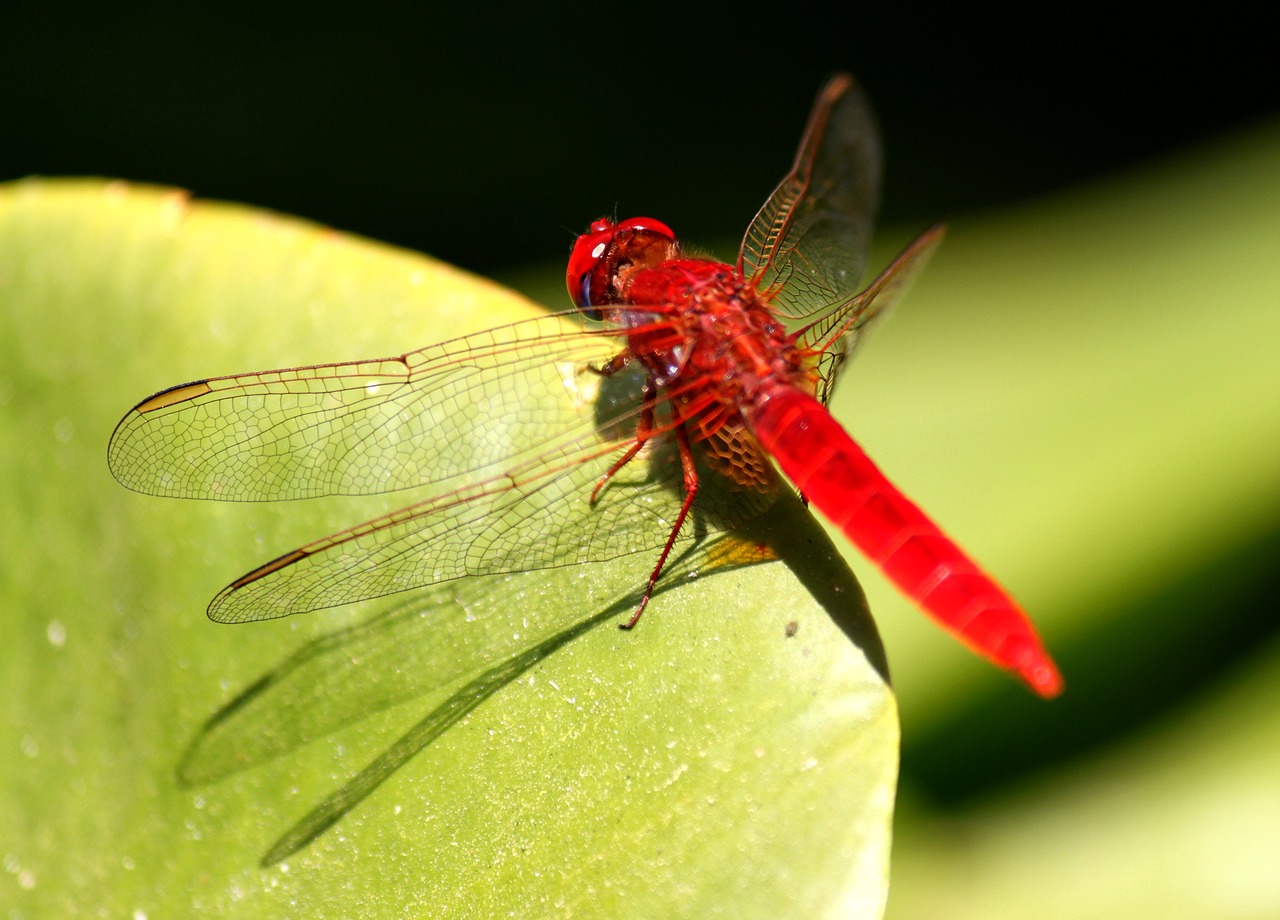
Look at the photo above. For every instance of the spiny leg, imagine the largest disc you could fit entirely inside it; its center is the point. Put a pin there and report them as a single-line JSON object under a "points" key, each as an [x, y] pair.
{"points": [[644, 430], [690, 493]]}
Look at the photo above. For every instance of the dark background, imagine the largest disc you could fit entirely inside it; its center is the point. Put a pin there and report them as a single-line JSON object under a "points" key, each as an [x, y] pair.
{"points": [[488, 138]]}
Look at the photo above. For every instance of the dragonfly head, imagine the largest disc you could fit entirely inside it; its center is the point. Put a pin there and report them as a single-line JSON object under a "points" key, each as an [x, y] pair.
{"points": [[605, 257]]}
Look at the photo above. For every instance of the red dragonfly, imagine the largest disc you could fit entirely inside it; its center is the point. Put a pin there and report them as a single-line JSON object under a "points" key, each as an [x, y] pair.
{"points": [[607, 436]]}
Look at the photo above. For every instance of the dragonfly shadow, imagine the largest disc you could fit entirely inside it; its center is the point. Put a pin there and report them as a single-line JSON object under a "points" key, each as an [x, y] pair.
{"points": [[451, 641], [800, 543], [414, 741]]}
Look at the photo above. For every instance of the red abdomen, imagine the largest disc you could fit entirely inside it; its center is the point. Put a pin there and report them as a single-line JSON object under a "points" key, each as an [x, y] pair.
{"points": [[838, 478]]}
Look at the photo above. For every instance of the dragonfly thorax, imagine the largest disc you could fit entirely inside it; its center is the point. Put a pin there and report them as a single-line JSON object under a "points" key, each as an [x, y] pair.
{"points": [[699, 322]]}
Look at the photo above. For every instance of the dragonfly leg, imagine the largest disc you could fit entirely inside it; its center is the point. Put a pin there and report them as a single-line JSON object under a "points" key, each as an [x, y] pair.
{"points": [[644, 430], [616, 364], [690, 471]]}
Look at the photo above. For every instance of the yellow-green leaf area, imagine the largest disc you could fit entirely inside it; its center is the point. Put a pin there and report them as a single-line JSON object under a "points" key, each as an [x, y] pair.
{"points": [[735, 755]]}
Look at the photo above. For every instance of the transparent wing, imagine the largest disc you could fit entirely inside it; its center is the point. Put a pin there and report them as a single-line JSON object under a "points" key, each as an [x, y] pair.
{"points": [[364, 427], [836, 334], [515, 415], [536, 515], [807, 246]]}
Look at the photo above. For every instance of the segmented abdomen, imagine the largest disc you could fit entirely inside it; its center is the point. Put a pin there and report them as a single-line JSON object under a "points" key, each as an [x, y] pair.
{"points": [[840, 480]]}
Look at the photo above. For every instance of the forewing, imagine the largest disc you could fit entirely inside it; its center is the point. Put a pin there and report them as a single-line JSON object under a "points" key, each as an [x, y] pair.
{"points": [[464, 408], [807, 246]]}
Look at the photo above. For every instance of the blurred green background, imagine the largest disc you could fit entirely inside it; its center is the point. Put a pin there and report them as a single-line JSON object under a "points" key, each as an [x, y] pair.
{"points": [[1084, 389]]}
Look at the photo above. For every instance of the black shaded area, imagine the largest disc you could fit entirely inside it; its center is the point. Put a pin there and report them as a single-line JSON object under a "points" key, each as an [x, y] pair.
{"points": [[488, 136], [1163, 652]]}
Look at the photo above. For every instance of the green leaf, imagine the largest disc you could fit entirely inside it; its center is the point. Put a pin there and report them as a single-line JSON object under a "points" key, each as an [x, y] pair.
{"points": [[734, 755]]}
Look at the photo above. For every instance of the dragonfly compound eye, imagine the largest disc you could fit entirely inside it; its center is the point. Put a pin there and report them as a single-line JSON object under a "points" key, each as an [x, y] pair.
{"points": [[586, 262], [607, 255]]}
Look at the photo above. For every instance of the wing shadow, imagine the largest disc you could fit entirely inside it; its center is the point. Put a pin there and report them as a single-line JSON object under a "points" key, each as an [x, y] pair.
{"points": [[397, 654]]}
